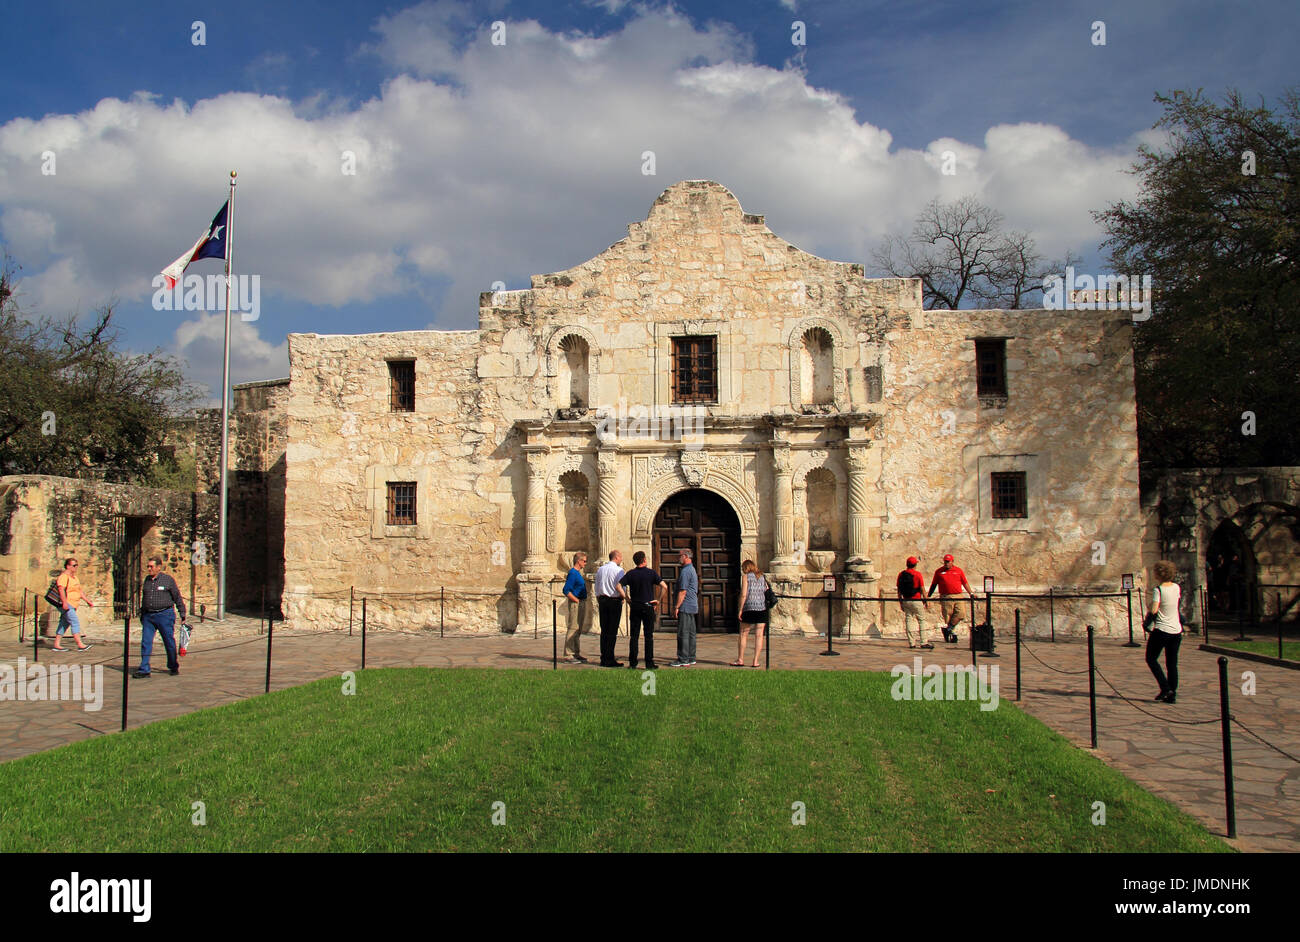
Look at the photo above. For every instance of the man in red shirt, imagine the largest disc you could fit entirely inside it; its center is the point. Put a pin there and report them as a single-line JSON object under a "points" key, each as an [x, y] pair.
{"points": [[950, 580], [911, 599]]}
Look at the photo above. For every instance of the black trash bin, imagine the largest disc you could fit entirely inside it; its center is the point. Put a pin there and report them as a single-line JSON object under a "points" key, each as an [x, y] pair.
{"points": [[983, 638]]}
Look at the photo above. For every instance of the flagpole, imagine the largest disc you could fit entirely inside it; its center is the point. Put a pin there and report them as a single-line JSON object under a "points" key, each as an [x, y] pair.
{"points": [[225, 407]]}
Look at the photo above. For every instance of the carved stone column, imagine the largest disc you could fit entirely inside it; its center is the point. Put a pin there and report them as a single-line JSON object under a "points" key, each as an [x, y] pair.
{"points": [[606, 503], [535, 510], [858, 496], [782, 505]]}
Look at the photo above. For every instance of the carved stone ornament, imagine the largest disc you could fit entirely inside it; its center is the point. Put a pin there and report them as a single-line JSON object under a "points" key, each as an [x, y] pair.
{"points": [[695, 465]]}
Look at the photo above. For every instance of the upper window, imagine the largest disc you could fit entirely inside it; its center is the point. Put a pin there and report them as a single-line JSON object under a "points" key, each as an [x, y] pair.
{"points": [[695, 369], [1008, 491], [401, 503], [991, 367], [401, 384]]}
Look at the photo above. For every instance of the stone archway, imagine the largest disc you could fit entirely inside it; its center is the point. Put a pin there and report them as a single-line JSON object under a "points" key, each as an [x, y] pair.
{"points": [[705, 523]]}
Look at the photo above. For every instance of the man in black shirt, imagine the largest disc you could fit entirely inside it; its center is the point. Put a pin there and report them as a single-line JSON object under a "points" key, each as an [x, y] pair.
{"points": [[646, 590], [157, 597]]}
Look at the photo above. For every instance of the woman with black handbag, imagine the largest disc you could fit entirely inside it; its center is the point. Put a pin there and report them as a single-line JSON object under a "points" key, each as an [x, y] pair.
{"points": [[1166, 630], [753, 610]]}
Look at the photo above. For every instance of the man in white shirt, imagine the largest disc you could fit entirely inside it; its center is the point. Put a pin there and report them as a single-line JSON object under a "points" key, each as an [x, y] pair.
{"points": [[610, 597]]}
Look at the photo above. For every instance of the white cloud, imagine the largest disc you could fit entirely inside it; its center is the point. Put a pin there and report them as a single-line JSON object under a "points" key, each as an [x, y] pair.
{"points": [[479, 163], [200, 342]]}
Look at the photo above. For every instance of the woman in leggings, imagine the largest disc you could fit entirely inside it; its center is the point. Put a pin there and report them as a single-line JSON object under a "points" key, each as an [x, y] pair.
{"points": [[1166, 630]]}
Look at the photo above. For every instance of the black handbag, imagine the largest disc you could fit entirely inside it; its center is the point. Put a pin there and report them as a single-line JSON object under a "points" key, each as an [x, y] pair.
{"points": [[769, 597], [52, 595]]}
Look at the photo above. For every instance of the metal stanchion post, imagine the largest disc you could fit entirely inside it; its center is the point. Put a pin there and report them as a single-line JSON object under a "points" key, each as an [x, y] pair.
{"points": [[535, 603], [1205, 616], [442, 611], [36, 634], [1225, 719], [555, 654], [1092, 689], [974, 656], [767, 651], [22, 620], [262, 617], [352, 604], [363, 632], [1131, 643], [988, 620], [126, 663], [1017, 655], [1051, 610], [830, 625], [270, 636], [1278, 616]]}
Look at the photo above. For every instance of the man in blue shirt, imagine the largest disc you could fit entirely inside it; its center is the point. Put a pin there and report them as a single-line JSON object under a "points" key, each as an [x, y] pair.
{"points": [[575, 592], [687, 611]]}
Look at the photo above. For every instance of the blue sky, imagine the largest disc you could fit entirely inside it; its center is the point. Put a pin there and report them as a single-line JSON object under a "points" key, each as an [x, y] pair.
{"points": [[478, 162]]}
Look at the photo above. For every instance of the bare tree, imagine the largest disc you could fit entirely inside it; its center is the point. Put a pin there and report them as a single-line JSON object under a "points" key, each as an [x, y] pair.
{"points": [[960, 252]]}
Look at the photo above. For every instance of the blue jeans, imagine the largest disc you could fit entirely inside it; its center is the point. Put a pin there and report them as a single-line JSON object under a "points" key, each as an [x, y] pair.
{"points": [[162, 622], [69, 619], [686, 624]]}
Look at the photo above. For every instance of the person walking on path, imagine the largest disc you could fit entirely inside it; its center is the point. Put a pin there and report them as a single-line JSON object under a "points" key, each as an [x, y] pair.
{"points": [[70, 596], [1166, 630], [158, 595], [610, 597], [686, 611], [911, 599], [753, 610], [646, 590], [575, 593], [950, 581]]}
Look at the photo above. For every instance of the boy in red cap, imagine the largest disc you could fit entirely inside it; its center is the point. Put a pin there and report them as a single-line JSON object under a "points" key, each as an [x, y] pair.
{"points": [[911, 599], [950, 580]]}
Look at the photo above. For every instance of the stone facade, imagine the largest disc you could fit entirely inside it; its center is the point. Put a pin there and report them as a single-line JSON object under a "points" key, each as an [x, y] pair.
{"points": [[840, 422], [44, 520], [1255, 511]]}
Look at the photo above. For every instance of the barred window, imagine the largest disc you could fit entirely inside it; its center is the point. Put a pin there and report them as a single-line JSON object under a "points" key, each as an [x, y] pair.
{"points": [[991, 367], [401, 503], [1009, 492], [695, 369], [401, 384]]}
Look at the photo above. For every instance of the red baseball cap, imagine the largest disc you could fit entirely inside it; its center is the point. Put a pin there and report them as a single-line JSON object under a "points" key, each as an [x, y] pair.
{"points": [[948, 558], [912, 560]]}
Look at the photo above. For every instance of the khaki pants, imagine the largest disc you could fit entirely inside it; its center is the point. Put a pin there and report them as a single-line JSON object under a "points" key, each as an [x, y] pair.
{"points": [[573, 613], [954, 611], [913, 609]]}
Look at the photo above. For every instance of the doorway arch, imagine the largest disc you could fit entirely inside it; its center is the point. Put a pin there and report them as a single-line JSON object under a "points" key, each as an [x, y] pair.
{"points": [[705, 523]]}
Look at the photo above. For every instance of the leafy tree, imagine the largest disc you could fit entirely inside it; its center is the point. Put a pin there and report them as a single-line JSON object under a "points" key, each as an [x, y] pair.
{"points": [[962, 253], [73, 405], [1217, 227]]}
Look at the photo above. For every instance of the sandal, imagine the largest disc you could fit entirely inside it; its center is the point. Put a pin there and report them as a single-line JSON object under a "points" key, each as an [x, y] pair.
{"points": [[735, 663]]}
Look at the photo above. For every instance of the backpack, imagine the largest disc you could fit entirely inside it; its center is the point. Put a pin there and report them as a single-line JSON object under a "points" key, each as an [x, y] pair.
{"points": [[908, 583]]}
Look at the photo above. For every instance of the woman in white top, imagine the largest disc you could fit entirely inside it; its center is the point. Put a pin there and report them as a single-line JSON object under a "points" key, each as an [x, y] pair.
{"points": [[1166, 630]]}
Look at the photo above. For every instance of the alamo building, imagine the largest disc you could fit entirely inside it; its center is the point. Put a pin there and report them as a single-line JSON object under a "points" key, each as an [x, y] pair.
{"points": [[705, 384]]}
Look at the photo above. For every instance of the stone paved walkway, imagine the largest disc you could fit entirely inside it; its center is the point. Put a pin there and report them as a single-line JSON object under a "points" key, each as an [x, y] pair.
{"points": [[1179, 762]]}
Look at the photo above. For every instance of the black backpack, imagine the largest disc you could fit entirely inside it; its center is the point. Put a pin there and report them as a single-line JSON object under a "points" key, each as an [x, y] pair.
{"points": [[908, 584]]}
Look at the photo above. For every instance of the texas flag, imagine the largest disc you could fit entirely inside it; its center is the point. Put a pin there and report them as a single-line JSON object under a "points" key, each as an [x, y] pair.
{"points": [[212, 244]]}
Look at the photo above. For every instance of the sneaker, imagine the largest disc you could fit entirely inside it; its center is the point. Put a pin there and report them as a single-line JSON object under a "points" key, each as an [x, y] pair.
{"points": [[689, 664], [174, 671], [676, 663], [927, 646], [146, 674], [1172, 698], [580, 659], [86, 647]]}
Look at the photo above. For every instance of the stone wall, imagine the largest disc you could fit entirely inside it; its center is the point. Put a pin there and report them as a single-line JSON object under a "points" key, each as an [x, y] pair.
{"points": [[822, 375], [43, 520]]}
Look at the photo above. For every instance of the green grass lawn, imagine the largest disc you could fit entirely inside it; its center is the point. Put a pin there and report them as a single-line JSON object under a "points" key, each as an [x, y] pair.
{"points": [[1290, 649], [583, 761]]}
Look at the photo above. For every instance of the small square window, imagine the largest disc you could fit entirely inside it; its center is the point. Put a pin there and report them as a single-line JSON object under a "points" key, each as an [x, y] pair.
{"points": [[401, 384], [695, 369], [401, 503], [1009, 491], [991, 367]]}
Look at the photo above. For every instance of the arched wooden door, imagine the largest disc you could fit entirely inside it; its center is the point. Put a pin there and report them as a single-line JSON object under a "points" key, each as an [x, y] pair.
{"points": [[704, 523]]}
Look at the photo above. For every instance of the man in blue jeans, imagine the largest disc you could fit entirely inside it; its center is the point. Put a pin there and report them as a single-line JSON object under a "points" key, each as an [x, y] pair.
{"points": [[687, 611], [157, 597]]}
